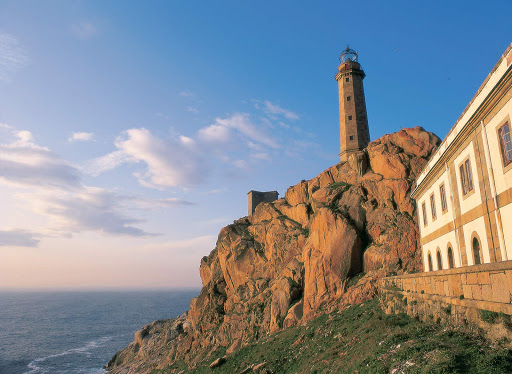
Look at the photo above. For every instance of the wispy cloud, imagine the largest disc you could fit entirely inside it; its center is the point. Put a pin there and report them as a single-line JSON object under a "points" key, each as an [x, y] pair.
{"points": [[84, 29], [18, 238], [187, 93], [192, 109], [276, 110], [170, 163], [243, 123], [12, 56], [183, 161], [51, 187], [81, 137], [25, 164]]}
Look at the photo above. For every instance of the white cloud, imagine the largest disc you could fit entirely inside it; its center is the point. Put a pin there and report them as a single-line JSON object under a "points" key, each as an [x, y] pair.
{"points": [[168, 163], [12, 56], [108, 162], [274, 109], [215, 134], [192, 109], [53, 189], [81, 136], [84, 29], [183, 161]]}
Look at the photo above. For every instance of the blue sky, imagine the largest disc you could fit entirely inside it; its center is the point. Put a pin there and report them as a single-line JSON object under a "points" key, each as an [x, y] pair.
{"points": [[131, 131]]}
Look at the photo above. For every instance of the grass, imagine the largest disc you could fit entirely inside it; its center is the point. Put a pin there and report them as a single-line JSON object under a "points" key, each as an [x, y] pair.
{"points": [[362, 339]]}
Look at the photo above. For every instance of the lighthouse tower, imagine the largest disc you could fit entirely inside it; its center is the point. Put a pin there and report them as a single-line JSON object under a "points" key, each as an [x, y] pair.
{"points": [[354, 132]]}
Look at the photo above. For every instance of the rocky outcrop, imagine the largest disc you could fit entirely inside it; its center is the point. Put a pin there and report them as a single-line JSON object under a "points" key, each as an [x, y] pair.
{"points": [[322, 246]]}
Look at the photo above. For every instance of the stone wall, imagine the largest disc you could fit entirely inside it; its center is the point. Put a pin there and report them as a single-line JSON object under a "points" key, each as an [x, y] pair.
{"points": [[473, 296]]}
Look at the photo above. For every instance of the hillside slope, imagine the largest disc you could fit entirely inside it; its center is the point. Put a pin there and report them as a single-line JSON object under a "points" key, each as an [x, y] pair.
{"points": [[321, 247]]}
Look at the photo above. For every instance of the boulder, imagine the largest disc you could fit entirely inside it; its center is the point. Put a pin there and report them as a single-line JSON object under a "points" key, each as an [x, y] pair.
{"points": [[218, 362], [332, 254], [297, 194]]}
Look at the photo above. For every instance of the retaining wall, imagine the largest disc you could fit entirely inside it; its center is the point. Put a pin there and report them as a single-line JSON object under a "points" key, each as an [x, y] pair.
{"points": [[477, 295]]}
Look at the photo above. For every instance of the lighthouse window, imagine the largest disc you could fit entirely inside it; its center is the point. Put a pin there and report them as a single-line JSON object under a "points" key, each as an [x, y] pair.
{"points": [[346, 79], [348, 98], [350, 118], [351, 137]]}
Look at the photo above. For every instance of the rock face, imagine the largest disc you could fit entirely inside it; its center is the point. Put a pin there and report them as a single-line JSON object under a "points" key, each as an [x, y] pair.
{"points": [[323, 246]]}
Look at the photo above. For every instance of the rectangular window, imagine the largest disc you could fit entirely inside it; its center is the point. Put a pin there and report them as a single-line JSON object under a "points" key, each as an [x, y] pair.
{"points": [[348, 98], [424, 211], [351, 137], [433, 207], [346, 79], [442, 192], [469, 174], [350, 118], [463, 180], [505, 144], [466, 177]]}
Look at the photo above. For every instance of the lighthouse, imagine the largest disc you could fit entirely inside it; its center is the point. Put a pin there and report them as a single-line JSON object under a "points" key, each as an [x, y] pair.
{"points": [[354, 132]]}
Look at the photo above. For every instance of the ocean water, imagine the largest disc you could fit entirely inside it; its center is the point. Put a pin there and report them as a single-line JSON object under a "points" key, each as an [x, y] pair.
{"points": [[76, 332]]}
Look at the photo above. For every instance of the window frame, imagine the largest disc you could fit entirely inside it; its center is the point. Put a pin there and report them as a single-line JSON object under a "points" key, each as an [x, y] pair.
{"points": [[444, 202], [433, 211], [450, 258], [348, 98], [466, 178], [439, 259], [506, 165], [424, 213], [429, 259]]}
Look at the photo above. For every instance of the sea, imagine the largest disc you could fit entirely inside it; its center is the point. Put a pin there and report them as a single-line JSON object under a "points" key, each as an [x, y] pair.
{"points": [[77, 332]]}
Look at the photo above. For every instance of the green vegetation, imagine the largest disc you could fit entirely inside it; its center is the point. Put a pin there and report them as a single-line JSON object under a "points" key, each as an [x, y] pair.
{"points": [[339, 186], [488, 316], [362, 339], [447, 309]]}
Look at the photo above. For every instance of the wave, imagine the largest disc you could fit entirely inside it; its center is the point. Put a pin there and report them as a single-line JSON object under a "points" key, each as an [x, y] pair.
{"points": [[35, 368]]}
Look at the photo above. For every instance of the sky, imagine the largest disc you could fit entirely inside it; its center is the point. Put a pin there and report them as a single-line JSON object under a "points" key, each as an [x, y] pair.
{"points": [[131, 131]]}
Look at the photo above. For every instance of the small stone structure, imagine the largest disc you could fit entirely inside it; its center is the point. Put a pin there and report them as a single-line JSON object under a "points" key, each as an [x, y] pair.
{"points": [[256, 197]]}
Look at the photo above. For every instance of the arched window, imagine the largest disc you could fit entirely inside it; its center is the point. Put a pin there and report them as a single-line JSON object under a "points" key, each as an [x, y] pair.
{"points": [[429, 262], [451, 265], [476, 251], [439, 260]]}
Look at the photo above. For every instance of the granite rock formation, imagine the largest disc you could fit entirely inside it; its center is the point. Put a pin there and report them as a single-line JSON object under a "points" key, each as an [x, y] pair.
{"points": [[322, 246]]}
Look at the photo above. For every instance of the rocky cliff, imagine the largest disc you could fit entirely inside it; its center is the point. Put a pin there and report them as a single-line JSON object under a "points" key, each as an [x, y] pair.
{"points": [[322, 246]]}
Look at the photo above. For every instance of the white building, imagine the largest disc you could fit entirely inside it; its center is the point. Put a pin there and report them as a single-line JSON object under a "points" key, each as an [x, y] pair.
{"points": [[464, 194]]}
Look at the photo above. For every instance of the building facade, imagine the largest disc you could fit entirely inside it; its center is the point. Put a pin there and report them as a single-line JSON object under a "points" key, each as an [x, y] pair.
{"points": [[354, 131], [464, 194]]}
